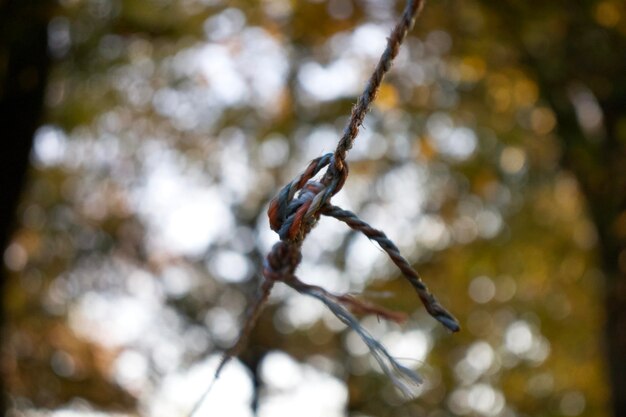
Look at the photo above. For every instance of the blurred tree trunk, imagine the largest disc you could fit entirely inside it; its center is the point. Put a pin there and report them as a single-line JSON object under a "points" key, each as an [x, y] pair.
{"points": [[600, 167], [586, 60], [596, 155], [24, 66], [613, 238]]}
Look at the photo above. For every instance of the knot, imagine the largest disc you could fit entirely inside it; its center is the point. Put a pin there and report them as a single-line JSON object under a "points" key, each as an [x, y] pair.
{"points": [[281, 262], [291, 216]]}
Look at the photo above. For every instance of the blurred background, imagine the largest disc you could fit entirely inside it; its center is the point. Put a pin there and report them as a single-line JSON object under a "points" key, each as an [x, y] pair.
{"points": [[143, 139]]}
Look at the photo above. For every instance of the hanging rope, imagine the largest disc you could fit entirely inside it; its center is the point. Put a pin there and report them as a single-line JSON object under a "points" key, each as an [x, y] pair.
{"points": [[412, 9], [300, 204]]}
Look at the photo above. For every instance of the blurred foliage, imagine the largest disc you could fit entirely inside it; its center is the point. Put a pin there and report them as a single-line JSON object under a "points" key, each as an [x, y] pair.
{"points": [[170, 124]]}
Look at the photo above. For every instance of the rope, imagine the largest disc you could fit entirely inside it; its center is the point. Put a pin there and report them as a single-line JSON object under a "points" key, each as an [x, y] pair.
{"points": [[412, 9], [428, 299], [300, 204]]}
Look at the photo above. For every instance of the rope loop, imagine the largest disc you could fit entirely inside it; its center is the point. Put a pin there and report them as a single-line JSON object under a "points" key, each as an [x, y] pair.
{"points": [[291, 216]]}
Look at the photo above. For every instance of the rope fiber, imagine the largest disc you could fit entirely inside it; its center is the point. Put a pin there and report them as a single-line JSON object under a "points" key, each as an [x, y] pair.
{"points": [[298, 207]]}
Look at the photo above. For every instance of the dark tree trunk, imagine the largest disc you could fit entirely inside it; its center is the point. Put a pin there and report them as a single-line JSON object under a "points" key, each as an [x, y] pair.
{"points": [[616, 338], [599, 164], [607, 203], [606, 197], [24, 66], [590, 56]]}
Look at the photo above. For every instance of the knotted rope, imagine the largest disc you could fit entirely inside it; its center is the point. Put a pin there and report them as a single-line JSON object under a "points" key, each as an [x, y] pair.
{"points": [[300, 204]]}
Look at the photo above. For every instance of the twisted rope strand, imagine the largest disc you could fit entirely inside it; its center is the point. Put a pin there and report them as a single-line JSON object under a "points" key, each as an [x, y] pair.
{"points": [[412, 9], [348, 300], [402, 377], [252, 316], [428, 299]]}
